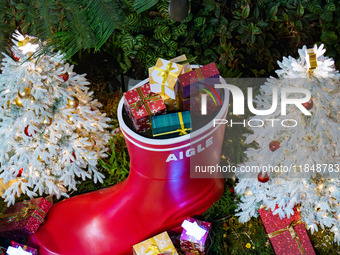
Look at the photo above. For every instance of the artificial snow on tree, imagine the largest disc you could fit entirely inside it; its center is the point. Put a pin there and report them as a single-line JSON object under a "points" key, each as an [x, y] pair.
{"points": [[51, 130], [310, 151]]}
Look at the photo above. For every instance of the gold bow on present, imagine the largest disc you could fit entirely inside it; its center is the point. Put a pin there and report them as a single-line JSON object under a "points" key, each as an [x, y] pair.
{"points": [[312, 60], [183, 130], [23, 42], [294, 235], [165, 74]]}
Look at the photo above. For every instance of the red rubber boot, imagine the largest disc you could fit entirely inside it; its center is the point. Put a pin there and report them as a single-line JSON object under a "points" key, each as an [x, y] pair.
{"points": [[158, 195]]}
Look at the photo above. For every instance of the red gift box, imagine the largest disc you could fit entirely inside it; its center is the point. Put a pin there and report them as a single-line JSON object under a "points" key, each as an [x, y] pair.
{"points": [[193, 103], [189, 243], [188, 82], [24, 247], [287, 235], [24, 218], [141, 104]]}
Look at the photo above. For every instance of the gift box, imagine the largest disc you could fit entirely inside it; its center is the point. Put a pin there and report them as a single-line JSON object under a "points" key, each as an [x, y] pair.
{"points": [[213, 98], [194, 236], [182, 60], [159, 244], [163, 77], [172, 105], [141, 104], [24, 218], [287, 235], [171, 125], [188, 83], [25, 248], [17, 251]]}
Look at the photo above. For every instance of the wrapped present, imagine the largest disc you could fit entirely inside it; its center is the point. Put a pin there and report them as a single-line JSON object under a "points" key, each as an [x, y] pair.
{"points": [[194, 236], [287, 235], [163, 77], [172, 105], [188, 83], [171, 125], [213, 98], [24, 218], [159, 244], [17, 251], [25, 248], [182, 60], [141, 104]]}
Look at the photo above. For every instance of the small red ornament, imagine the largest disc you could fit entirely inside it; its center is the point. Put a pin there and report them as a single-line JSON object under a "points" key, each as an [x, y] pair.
{"points": [[274, 145], [64, 76], [15, 57], [231, 189], [26, 131], [74, 155], [309, 105], [20, 172], [262, 178]]}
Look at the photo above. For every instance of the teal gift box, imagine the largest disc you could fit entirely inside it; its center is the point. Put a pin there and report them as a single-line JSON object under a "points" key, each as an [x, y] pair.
{"points": [[171, 125]]}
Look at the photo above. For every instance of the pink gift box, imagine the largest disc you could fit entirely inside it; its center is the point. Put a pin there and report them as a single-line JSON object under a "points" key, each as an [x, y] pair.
{"points": [[24, 218], [288, 236], [141, 104], [24, 247], [189, 243]]}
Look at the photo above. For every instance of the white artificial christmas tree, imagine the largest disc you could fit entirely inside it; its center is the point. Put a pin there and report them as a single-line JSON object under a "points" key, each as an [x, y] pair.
{"points": [[310, 151], [51, 130]]}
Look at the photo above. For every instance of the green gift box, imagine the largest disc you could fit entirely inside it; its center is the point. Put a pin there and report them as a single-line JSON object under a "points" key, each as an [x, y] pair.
{"points": [[171, 125]]}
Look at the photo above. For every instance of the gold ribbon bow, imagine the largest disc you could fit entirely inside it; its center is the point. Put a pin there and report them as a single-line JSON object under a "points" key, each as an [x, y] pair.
{"points": [[144, 100], [165, 74], [312, 60], [183, 130], [23, 42], [292, 232], [154, 247]]}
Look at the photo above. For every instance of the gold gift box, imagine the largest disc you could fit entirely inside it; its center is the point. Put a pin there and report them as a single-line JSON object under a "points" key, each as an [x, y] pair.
{"points": [[153, 246]]}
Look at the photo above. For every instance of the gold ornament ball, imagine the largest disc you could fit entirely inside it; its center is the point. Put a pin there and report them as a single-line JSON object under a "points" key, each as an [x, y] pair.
{"points": [[47, 121], [69, 119], [24, 94], [18, 102], [40, 159], [73, 103]]}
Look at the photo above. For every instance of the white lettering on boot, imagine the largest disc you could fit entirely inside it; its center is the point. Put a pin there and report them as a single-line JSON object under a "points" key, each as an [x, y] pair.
{"points": [[190, 152]]}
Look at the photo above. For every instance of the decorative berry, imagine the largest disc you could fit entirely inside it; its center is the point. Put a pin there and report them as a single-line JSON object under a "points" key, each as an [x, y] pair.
{"points": [[15, 57], [308, 105], [262, 178], [74, 155], [64, 76], [26, 131], [274, 145], [20, 172]]}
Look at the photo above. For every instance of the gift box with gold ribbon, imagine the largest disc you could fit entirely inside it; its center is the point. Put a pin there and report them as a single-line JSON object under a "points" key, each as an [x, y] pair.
{"points": [[163, 77], [171, 125], [194, 237], [188, 83], [24, 218], [141, 105], [182, 60], [287, 235], [159, 244]]}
